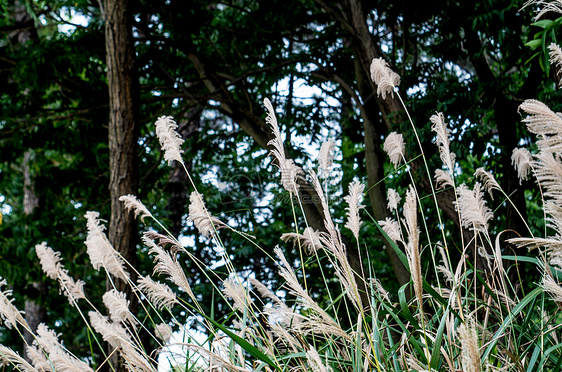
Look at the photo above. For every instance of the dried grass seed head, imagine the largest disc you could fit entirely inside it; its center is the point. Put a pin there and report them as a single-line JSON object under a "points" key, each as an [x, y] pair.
{"points": [[385, 79], [131, 202], [290, 172], [100, 250], [8, 312], [309, 239], [49, 259], [158, 293], [326, 157], [394, 147], [393, 199], [202, 219], [555, 54], [118, 305], [353, 200], [521, 159], [169, 139], [474, 212]]}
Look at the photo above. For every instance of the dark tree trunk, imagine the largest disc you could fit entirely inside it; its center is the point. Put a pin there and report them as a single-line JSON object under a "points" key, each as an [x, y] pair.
{"points": [[123, 178]]}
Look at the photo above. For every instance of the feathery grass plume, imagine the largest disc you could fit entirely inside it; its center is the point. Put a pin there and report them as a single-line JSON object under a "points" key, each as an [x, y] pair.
{"points": [[169, 139], [547, 6], [443, 179], [158, 293], [331, 239], [100, 250], [37, 357], [392, 228], [133, 203], [393, 199], [442, 141], [326, 157], [73, 290], [489, 180], [309, 239], [202, 219], [9, 357], [113, 333], [293, 286], [233, 289], [290, 172], [413, 246], [551, 286], [521, 159], [469, 345], [394, 147], [167, 265], [267, 293], [50, 262], [314, 361], [385, 79], [118, 305], [8, 312], [353, 200], [545, 123], [47, 342], [474, 212], [136, 360], [49, 259], [163, 331], [555, 54]]}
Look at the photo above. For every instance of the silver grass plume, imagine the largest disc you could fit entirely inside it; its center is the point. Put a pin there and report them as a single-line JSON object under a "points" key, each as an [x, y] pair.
{"points": [[309, 239], [547, 6], [101, 253], [290, 172], [489, 180], [50, 263], [233, 289], [392, 228], [551, 286], [314, 361], [118, 305], [353, 200], [385, 79], [555, 54], [469, 346], [159, 294], [8, 312], [47, 342], [73, 290], [163, 331], [113, 333], [393, 199], [326, 157], [131, 202], [331, 239], [394, 147], [293, 287], [170, 140], [9, 357], [167, 265], [413, 246], [202, 219], [521, 159], [49, 259], [474, 212], [545, 123], [442, 141]]}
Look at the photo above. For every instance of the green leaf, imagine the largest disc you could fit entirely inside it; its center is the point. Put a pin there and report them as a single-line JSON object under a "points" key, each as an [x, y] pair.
{"points": [[543, 23], [533, 44]]}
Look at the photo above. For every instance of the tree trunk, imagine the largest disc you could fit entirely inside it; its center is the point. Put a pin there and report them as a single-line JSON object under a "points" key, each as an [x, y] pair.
{"points": [[123, 105]]}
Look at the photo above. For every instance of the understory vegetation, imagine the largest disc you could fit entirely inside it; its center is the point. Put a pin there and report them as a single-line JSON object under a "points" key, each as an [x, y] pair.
{"points": [[469, 304]]}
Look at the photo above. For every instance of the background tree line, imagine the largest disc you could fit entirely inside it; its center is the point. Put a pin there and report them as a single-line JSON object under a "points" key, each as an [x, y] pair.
{"points": [[79, 103]]}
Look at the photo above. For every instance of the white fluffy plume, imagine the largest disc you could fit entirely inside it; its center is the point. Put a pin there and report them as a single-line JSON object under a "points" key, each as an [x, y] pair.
{"points": [[385, 79], [170, 140]]}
